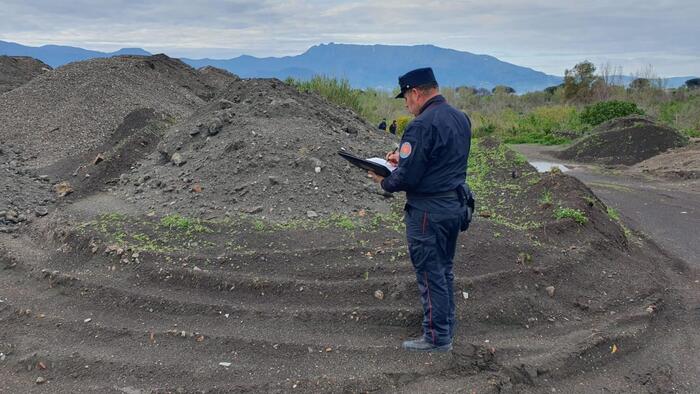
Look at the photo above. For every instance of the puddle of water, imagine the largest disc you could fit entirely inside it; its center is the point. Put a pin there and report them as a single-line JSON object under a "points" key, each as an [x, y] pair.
{"points": [[544, 166]]}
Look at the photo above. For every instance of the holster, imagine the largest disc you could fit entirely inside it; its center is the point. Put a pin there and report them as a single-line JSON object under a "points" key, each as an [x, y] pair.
{"points": [[466, 197]]}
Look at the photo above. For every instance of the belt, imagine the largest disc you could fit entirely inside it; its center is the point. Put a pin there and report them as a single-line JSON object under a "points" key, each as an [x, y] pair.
{"points": [[427, 196]]}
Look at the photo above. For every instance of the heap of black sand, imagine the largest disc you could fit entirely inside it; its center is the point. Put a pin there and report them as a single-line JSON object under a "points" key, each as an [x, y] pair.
{"points": [[261, 148], [17, 70], [78, 106], [66, 119], [626, 140], [164, 136]]}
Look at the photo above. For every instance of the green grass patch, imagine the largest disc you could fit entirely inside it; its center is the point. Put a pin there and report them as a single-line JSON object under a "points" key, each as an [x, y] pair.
{"points": [[546, 198], [570, 213], [175, 221], [613, 214]]}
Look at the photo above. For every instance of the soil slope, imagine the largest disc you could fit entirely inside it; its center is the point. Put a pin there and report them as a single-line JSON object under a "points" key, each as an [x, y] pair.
{"points": [[18, 70]]}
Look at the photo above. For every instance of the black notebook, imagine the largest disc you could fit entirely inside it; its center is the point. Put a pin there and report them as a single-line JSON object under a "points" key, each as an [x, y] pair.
{"points": [[379, 166]]}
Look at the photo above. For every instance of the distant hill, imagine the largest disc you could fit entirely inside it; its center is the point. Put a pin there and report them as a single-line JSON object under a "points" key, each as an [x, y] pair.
{"points": [[365, 66], [58, 55], [379, 66]]}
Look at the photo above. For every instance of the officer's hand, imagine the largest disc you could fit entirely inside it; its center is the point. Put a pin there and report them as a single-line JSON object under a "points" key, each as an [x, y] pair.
{"points": [[393, 158], [376, 178]]}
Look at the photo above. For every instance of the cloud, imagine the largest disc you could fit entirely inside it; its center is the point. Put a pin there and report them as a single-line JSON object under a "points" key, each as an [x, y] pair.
{"points": [[546, 35]]}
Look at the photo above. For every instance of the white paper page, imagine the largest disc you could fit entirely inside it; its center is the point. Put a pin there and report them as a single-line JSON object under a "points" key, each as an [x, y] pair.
{"points": [[382, 162]]}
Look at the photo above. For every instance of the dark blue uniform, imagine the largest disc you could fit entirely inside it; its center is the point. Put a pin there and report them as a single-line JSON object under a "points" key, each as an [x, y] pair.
{"points": [[432, 171]]}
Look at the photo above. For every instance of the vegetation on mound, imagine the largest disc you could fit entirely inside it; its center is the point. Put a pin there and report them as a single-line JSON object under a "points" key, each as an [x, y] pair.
{"points": [[490, 176], [607, 110], [174, 232], [570, 213], [556, 115]]}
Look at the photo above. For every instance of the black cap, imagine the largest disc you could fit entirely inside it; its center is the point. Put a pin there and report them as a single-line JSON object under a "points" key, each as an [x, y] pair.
{"points": [[413, 78]]}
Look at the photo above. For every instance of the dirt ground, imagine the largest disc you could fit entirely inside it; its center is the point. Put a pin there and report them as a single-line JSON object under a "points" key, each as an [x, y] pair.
{"points": [[160, 273], [676, 164], [665, 208]]}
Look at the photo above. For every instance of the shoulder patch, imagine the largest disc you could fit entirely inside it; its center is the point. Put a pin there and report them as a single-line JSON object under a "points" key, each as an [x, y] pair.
{"points": [[405, 150]]}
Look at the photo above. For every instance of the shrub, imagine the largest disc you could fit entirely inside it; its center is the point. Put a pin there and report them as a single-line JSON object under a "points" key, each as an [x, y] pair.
{"points": [[335, 90], [682, 115], [542, 124], [483, 130], [502, 89], [401, 123], [603, 111], [693, 83]]}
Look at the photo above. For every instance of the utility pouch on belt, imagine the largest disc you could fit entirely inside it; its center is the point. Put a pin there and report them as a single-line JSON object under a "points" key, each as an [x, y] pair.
{"points": [[466, 196]]}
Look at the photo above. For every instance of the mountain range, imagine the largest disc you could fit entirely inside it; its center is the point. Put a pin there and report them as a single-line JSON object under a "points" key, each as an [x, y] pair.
{"points": [[364, 66]]}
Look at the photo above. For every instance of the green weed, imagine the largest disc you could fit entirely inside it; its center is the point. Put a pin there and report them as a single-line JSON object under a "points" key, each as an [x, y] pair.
{"points": [[175, 221], [577, 215], [613, 214]]}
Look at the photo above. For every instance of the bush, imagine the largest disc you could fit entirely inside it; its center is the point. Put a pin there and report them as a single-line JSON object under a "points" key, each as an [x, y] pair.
{"points": [[401, 124], [541, 126], [682, 115], [337, 91], [693, 83], [606, 110]]}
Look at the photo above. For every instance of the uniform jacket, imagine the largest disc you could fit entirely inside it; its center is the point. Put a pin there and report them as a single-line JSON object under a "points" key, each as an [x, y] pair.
{"points": [[433, 152]]}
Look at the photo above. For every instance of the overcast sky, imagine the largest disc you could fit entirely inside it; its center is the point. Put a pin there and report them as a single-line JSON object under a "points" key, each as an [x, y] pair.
{"points": [[549, 36]]}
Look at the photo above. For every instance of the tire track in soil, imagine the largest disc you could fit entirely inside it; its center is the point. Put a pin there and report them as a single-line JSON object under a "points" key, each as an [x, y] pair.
{"points": [[134, 336]]}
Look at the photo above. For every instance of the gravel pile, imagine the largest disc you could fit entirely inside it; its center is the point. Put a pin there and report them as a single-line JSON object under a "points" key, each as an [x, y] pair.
{"points": [[261, 148], [76, 107], [23, 193], [166, 137], [627, 141], [17, 70]]}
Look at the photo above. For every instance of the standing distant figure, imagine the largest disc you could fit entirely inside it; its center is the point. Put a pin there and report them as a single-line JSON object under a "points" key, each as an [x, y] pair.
{"points": [[382, 125], [392, 128]]}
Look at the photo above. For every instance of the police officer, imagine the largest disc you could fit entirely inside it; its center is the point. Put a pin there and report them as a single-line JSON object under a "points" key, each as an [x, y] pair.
{"points": [[432, 165]]}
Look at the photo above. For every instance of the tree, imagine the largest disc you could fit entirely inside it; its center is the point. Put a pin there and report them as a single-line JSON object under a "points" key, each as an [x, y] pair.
{"points": [[466, 91], [693, 83], [553, 89], [640, 84], [503, 89], [579, 81], [482, 92]]}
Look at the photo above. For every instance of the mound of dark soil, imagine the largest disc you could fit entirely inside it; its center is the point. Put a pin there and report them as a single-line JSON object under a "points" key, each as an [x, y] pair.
{"points": [[17, 70], [261, 148], [61, 124], [216, 77], [624, 122], [624, 141], [77, 107]]}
